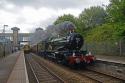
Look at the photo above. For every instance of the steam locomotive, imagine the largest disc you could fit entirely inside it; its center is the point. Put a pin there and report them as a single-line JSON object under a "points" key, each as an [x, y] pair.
{"points": [[65, 50]]}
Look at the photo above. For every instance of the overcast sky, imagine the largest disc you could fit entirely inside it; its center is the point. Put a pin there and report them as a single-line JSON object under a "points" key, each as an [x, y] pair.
{"points": [[30, 14]]}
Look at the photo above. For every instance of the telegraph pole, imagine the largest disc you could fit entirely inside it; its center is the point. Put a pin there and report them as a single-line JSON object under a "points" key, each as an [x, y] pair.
{"points": [[4, 43]]}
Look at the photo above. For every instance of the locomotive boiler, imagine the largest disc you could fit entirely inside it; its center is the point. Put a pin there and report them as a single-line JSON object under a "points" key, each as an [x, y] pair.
{"points": [[71, 42]]}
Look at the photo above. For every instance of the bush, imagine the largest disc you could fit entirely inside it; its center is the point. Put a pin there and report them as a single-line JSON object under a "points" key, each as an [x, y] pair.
{"points": [[106, 32]]}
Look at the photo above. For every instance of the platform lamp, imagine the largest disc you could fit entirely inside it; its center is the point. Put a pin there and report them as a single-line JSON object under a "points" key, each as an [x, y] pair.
{"points": [[4, 27]]}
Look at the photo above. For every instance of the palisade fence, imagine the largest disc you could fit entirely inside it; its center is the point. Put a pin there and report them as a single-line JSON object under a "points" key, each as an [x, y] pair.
{"points": [[106, 48], [8, 49]]}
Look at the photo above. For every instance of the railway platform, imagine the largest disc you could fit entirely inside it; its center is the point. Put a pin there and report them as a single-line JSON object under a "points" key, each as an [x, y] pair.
{"points": [[13, 69], [114, 59], [19, 72], [6, 66]]}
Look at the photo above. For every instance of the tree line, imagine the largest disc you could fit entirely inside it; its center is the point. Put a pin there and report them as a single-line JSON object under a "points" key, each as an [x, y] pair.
{"points": [[98, 23]]}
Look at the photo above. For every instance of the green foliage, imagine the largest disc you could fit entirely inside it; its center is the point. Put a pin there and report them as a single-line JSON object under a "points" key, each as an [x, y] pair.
{"points": [[99, 25], [116, 10], [68, 17], [106, 32], [102, 33], [72, 19], [114, 30], [92, 17]]}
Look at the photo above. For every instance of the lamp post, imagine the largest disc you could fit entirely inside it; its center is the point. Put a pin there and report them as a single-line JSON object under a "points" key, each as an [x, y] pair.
{"points": [[4, 39]]}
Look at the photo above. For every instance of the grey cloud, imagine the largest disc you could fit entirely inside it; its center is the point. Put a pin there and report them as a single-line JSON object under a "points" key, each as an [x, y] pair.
{"points": [[20, 20], [22, 3], [53, 3], [47, 3]]}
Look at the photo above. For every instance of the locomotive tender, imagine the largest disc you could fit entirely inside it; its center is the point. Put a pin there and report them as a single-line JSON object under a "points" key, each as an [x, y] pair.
{"points": [[65, 50]]}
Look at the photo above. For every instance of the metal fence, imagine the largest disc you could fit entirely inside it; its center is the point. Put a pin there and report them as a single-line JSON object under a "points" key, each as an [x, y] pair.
{"points": [[7, 48], [106, 48]]}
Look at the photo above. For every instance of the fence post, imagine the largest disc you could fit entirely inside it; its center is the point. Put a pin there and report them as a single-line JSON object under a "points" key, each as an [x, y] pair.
{"points": [[120, 47]]}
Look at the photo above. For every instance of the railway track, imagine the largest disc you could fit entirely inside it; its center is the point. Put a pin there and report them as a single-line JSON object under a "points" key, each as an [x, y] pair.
{"points": [[99, 77], [114, 69], [94, 75], [85, 73], [41, 73]]}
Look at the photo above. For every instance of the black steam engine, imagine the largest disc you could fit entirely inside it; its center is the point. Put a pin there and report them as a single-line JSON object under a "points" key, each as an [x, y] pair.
{"points": [[65, 50]]}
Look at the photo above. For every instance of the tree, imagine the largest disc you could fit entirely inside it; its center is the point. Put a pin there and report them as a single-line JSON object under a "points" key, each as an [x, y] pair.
{"points": [[116, 11], [65, 17], [106, 32], [92, 17]]}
